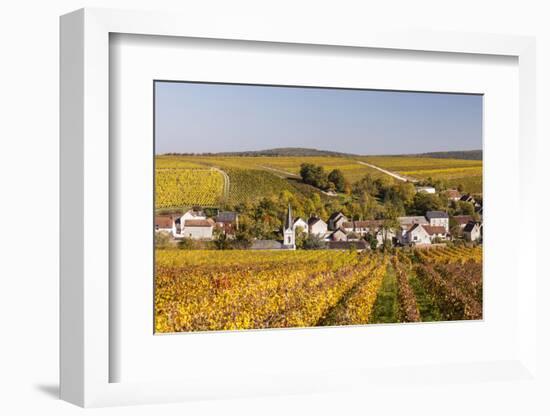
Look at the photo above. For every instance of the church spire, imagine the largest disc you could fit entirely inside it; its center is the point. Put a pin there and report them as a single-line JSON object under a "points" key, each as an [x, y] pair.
{"points": [[288, 220]]}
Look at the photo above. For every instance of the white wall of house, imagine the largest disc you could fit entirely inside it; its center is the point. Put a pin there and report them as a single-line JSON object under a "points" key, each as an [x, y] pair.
{"points": [[418, 236], [319, 228], [440, 222], [171, 231], [473, 235], [197, 233]]}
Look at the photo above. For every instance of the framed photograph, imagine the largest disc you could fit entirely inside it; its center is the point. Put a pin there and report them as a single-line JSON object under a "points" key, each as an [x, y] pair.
{"points": [[267, 212]]}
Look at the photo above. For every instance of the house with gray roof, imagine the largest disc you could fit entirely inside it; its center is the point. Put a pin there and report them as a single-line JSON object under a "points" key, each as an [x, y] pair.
{"points": [[438, 219]]}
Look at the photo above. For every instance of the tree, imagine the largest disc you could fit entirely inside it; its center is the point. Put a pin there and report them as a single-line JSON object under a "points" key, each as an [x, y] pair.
{"points": [[162, 239], [337, 178], [300, 237], [186, 244], [313, 242], [314, 175], [222, 242], [426, 202], [242, 240]]}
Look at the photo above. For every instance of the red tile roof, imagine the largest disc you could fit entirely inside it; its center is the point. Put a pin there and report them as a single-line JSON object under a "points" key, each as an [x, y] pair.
{"points": [[433, 229], [199, 223], [163, 221]]}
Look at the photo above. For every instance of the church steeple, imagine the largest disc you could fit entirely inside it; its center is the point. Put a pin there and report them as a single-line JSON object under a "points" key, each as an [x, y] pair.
{"points": [[289, 236], [288, 219]]}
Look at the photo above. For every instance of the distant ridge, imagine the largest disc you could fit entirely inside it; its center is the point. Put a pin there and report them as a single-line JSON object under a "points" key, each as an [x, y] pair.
{"points": [[281, 151], [457, 154], [303, 151]]}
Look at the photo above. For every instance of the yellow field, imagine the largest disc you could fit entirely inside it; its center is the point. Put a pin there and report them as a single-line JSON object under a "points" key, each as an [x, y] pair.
{"points": [[183, 187], [279, 166], [469, 173], [202, 290]]}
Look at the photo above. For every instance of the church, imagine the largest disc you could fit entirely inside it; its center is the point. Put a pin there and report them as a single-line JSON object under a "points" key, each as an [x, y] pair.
{"points": [[289, 234]]}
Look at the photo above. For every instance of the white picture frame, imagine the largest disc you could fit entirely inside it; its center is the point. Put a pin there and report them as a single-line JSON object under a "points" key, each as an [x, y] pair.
{"points": [[86, 356]]}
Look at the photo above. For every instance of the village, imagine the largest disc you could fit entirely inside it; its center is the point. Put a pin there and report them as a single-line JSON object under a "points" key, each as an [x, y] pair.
{"points": [[335, 232]]}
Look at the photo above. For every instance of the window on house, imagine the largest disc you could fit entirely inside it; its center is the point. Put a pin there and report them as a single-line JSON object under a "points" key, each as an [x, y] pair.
{"points": [[289, 240]]}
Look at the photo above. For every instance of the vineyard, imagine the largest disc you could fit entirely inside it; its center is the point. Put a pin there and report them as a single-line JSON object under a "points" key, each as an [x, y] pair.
{"points": [[242, 289], [468, 173], [198, 180], [184, 186]]}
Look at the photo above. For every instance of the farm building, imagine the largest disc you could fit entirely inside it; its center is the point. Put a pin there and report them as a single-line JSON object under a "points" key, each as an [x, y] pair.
{"points": [[438, 219], [198, 229], [165, 223], [227, 222]]}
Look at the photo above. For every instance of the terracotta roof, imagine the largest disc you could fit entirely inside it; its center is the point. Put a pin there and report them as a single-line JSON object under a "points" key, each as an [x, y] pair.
{"points": [[453, 193], [431, 230], [163, 221], [199, 223]]}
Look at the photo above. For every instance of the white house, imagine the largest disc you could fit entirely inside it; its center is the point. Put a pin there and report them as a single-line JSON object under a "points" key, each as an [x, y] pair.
{"points": [[336, 220], [300, 223], [417, 234], [198, 229], [435, 232], [438, 219], [165, 223], [338, 235], [361, 228], [426, 189], [317, 226], [472, 231]]}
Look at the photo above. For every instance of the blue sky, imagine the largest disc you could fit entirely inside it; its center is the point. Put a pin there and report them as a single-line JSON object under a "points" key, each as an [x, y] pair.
{"points": [[198, 118]]}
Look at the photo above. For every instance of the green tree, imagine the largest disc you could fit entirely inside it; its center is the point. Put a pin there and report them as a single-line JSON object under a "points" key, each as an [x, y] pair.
{"points": [[337, 178]]}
